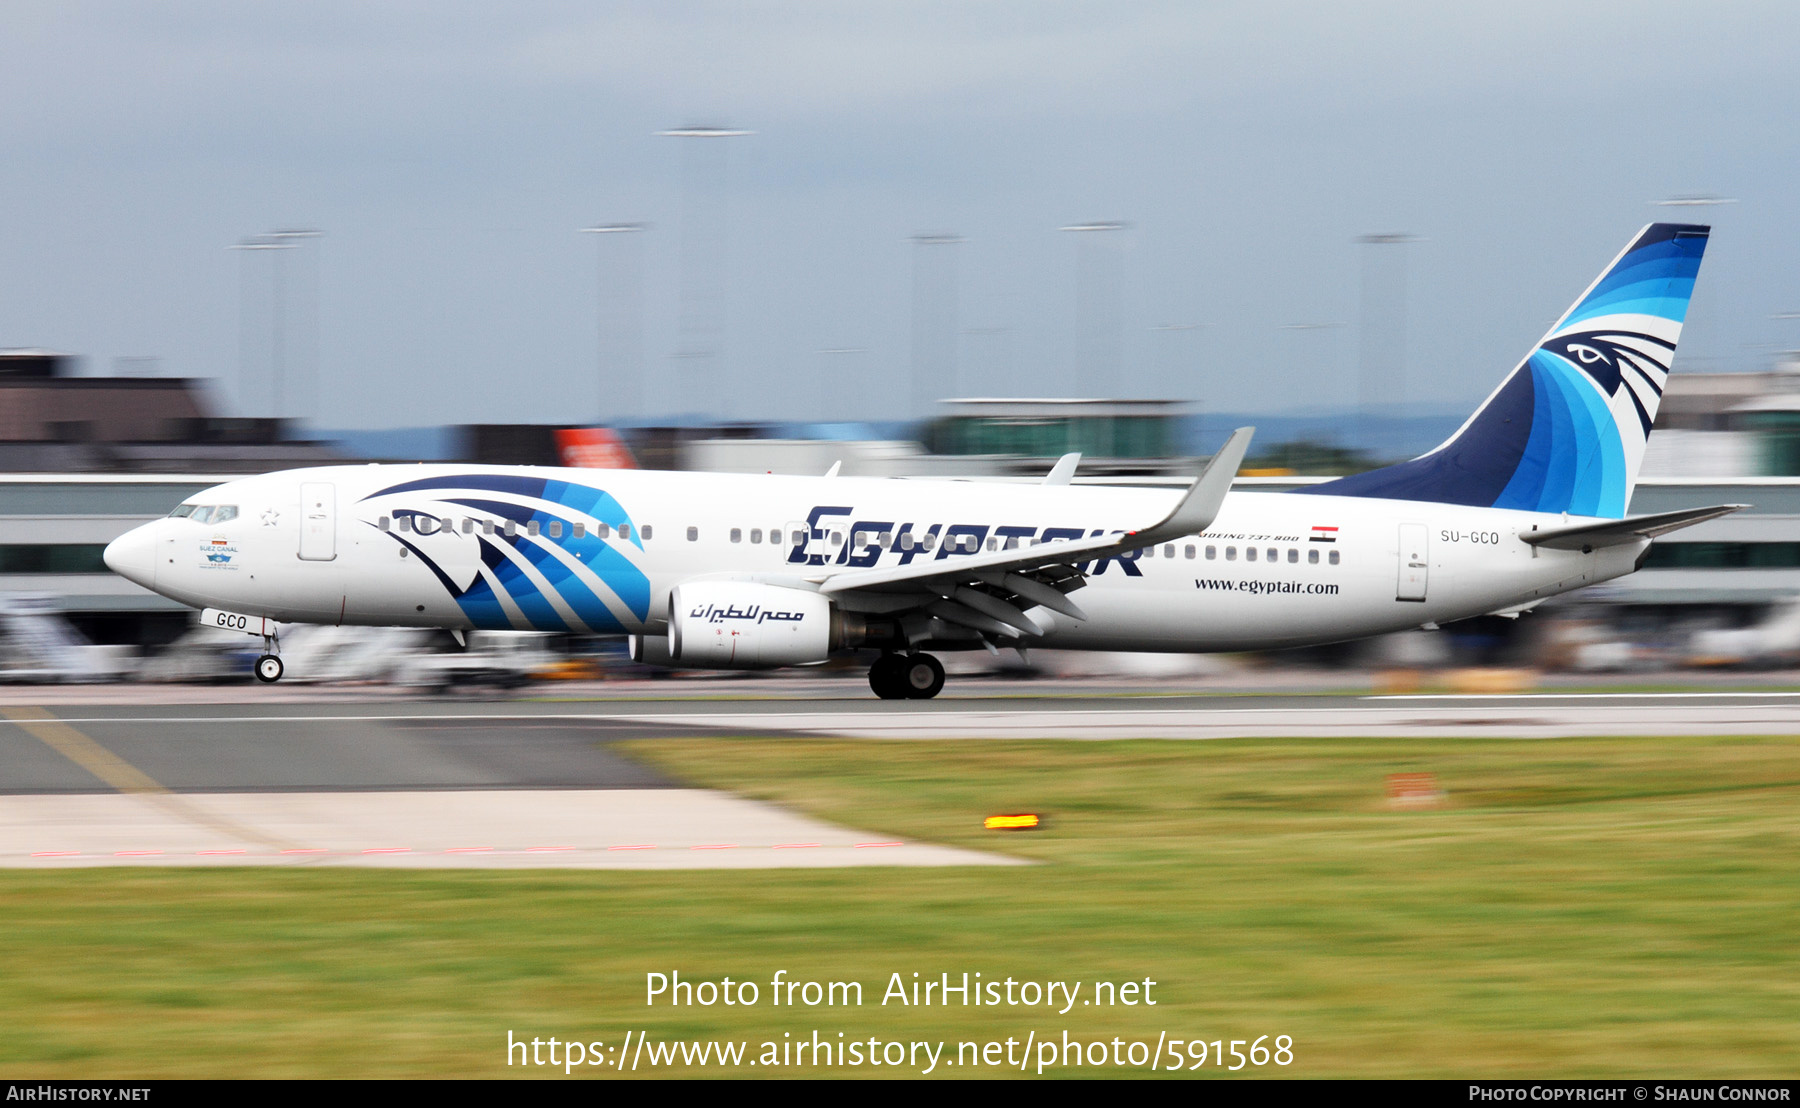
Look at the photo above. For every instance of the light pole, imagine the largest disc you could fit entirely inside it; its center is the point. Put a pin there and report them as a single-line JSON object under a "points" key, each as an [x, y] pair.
{"points": [[1697, 330], [934, 318], [992, 367], [1383, 278], [1176, 384], [621, 347], [276, 241], [700, 331], [1788, 356], [1099, 318], [835, 380], [1700, 200], [1308, 352]]}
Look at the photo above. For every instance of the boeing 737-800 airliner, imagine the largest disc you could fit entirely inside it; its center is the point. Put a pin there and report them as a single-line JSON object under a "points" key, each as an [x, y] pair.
{"points": [[1525, 501]]}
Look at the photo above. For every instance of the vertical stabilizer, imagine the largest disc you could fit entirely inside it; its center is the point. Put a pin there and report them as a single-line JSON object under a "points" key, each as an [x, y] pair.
{"points": [[1565, 432]]}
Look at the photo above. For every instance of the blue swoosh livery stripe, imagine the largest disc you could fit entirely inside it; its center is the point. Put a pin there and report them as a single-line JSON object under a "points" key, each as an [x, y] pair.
{"points": [[1557, 436], [483, 606]]}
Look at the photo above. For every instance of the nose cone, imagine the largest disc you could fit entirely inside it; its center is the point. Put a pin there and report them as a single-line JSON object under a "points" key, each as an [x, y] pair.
{"points": [[133, 555]]}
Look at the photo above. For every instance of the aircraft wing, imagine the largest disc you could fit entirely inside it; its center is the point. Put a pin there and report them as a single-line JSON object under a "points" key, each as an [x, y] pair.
{"points": [[1613, 532], [991, 591]]}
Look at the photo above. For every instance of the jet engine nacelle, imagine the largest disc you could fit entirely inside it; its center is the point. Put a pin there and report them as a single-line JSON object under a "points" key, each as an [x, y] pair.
{"points": [[743, 625]]}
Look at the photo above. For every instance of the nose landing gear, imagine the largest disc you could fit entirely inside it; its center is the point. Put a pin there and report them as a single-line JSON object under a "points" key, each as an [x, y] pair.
{"points": [[906, 677], [268, 668]]}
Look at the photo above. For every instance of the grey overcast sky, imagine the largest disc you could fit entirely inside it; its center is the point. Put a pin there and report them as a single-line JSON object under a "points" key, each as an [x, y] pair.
{"points": [[451, 153]]}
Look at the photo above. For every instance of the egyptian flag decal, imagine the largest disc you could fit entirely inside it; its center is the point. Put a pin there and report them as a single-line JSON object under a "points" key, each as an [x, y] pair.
{"points": [[1324, 534]]}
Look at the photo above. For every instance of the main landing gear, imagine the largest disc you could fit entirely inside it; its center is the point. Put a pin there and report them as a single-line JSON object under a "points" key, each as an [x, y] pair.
{"points": [[268, 668], [906, 677]]}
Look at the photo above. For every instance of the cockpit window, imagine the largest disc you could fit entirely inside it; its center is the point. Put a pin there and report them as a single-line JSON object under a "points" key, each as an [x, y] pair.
{"points": [[205, 513]]}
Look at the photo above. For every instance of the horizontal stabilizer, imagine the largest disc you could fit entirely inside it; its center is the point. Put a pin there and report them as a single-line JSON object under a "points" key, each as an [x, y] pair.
{"points": [[1614, 532]]}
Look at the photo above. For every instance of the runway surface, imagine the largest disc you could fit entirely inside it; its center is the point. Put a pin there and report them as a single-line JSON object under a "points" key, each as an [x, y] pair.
{"points": [[379, 781], [430, 789]]}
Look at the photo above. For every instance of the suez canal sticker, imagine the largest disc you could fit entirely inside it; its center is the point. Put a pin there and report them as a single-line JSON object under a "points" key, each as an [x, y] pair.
{"points": [[218, 554]]}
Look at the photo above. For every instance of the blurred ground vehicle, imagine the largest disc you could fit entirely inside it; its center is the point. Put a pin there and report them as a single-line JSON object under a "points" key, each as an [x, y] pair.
{"points": [[496, 659], [37, 644]]}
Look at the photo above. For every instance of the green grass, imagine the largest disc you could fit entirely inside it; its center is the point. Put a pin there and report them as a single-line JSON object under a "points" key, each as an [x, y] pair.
{"points": [[1581, 907]]}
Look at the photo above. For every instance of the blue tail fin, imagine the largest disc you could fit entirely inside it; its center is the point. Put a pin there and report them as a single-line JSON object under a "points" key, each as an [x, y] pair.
{"points": [[1565, 432]]}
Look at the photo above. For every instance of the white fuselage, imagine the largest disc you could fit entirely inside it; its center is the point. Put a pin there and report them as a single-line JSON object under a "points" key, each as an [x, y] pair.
{"points": [[418, 545]]}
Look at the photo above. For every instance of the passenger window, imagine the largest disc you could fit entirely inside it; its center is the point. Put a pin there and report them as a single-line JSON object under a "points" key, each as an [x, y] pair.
{"points": [[1145, 552], [644, 532], [381, 524], [1293, 556], [468, 526], [625, 531], [1334, 557], [1012, 542], [906, 540], [928, 541], [737, 534], [1249, 554], [531, 528], [487, 526], [1230, 553], [1312, 557], [1211, 553], [1189, 552], [755, 535], [1274, 554], [1169, 551], [404, 523], [602, 531], [512, 529], [580, 529], [556, 528], [693, 534]]}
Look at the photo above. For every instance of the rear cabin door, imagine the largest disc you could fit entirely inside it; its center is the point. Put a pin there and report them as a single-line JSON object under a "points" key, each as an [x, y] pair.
{"points": [[1414, 562], [318, 521]]}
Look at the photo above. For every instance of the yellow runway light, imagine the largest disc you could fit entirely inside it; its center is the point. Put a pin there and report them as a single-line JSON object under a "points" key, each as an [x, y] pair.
{"points": [[1023, 821]]}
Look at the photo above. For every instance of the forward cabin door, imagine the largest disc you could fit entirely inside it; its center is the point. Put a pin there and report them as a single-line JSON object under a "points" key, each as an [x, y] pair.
{"points": [[318, 521], [1414, 562]]}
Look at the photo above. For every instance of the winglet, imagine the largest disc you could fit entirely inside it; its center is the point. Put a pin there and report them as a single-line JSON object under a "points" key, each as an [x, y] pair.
{"points": [[1064, 470], [835, 466], [1201, 505]]}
